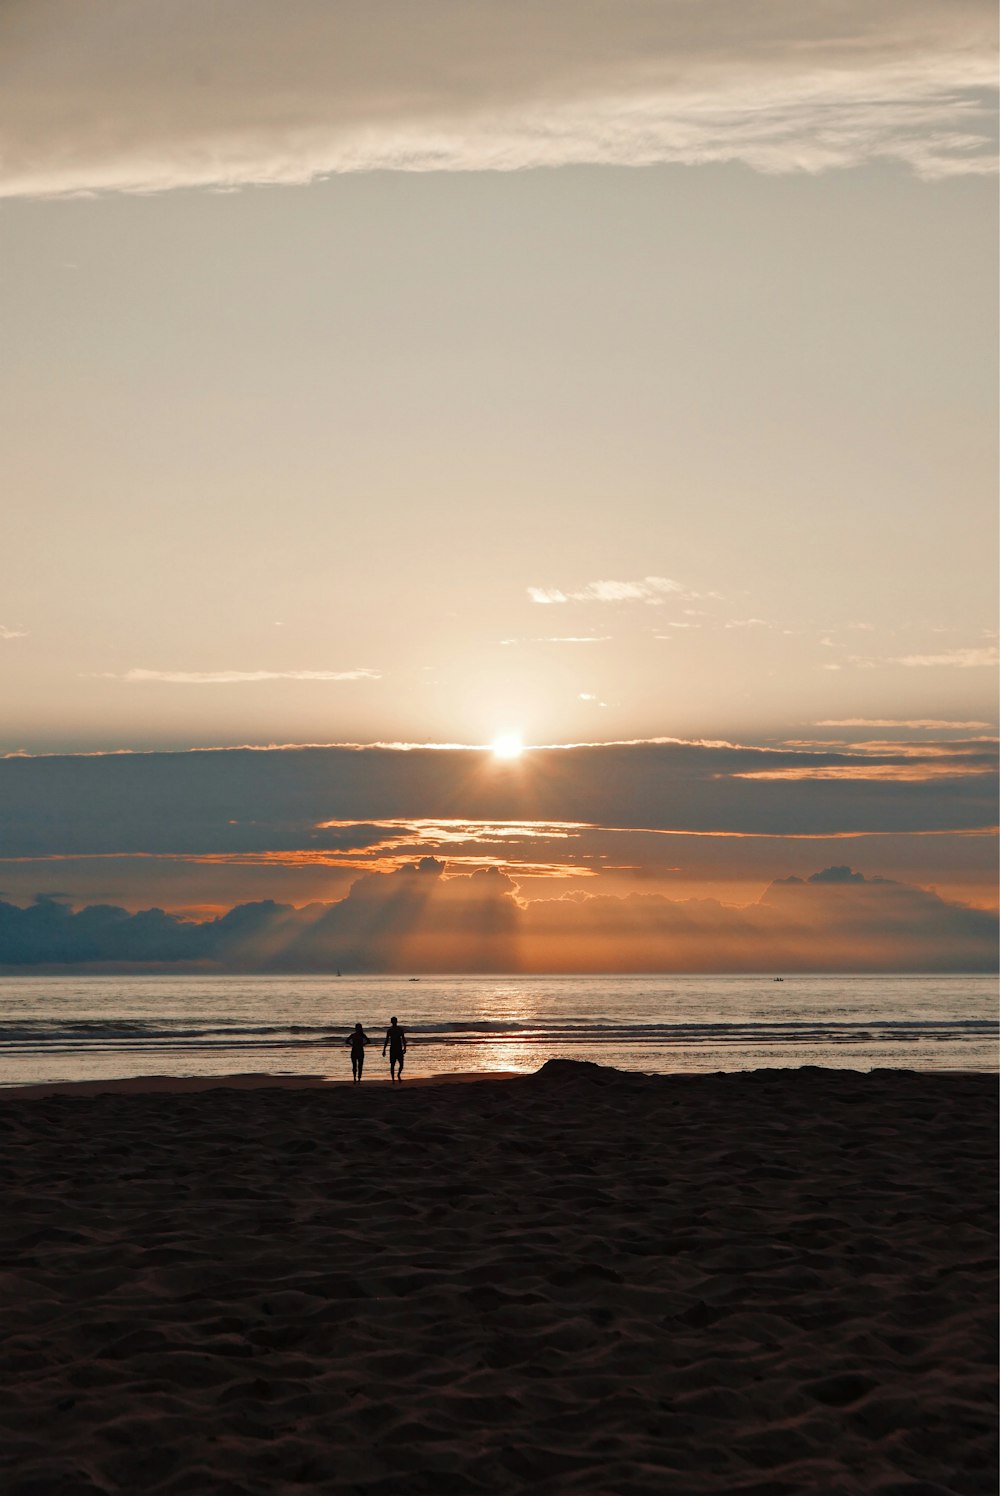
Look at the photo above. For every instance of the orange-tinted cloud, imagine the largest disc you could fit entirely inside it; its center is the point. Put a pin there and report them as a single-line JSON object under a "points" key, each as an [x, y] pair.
{"points": [[867, 772], [214, 829], [833, 921], [418, 920]]}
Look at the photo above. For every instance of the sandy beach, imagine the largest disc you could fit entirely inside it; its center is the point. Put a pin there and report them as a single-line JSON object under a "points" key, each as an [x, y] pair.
{"points": [[577, 1281]]}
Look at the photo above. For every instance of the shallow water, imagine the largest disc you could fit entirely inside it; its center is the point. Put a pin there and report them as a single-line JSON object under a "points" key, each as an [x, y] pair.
{"points": [[81, 1028]]}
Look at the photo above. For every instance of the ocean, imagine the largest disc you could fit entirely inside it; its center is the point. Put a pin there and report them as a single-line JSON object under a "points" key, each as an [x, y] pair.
{"points": [[71, 1028]]}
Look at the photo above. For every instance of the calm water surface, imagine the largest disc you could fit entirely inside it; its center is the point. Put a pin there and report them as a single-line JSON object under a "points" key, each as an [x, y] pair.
{"points": [[82, 1028]]}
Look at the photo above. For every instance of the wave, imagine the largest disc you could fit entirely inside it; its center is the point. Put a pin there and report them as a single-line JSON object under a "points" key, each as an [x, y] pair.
{"points": [[84, 1035]]}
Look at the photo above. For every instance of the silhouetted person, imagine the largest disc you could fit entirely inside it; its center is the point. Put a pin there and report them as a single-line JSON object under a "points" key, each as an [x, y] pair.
{"points": [[357, 1041], [395, 1043]]}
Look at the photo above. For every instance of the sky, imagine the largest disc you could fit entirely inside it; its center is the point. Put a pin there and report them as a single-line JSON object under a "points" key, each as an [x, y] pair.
{"points": [[589, 374]]}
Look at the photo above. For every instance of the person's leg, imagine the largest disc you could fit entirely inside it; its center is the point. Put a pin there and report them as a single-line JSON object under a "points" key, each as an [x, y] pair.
{"points": [[392, 1068], [361, 1063], [354, 1066], [400, 1063]]}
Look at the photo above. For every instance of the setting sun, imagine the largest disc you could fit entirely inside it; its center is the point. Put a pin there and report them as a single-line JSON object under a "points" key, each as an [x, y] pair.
{"points": [[508, 746]]}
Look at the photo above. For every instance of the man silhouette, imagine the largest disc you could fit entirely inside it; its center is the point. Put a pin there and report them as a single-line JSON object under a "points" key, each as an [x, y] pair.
{"points": [[395, 1042]]}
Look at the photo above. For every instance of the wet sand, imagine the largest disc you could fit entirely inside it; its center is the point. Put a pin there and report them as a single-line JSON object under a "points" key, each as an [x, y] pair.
{"points": [[579, 1281], [176, 1085]]}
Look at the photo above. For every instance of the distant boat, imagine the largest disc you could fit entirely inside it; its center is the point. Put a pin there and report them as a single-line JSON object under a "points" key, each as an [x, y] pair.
{"points": [[413, 979], [773, 979]]}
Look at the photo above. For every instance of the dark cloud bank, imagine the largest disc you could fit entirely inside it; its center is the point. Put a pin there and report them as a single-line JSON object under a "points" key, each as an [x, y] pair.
{"points": [[232, 802], [417, 920], [239, 800]]}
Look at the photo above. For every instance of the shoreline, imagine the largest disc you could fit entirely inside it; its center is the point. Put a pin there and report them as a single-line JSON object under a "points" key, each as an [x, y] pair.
{"points": [[185, 1085]]}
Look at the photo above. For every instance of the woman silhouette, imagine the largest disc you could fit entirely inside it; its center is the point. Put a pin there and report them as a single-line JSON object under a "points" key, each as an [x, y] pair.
{"points": [[357, 1040]]}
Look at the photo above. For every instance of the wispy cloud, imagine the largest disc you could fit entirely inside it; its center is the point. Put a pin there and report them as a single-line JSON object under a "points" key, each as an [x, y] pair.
{"points": [[9, 633], [890, 773], [647, 590], [954, 659], [970, 658], [561, 639], [156, 94], [233, 677], [915, 722]]}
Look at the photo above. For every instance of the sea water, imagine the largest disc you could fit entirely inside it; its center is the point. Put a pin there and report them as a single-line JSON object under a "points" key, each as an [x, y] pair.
{"points": [[71, 1028]]}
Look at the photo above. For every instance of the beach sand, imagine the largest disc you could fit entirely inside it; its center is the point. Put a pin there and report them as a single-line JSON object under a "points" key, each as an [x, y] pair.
{"points": [[578, 1281]]}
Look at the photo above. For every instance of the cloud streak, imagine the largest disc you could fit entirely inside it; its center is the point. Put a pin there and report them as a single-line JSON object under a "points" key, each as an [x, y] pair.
{"points": [[561, 639], [929, 723], [146, 95], [969, 657], [952, 659], [233, 677], [648, 590]]}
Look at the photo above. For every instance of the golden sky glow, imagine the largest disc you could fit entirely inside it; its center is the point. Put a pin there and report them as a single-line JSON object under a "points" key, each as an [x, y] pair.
{"points": [[615, 531]]}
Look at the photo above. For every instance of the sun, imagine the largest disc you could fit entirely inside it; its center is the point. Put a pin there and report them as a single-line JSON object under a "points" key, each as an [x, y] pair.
{"points": [[508, 745]]}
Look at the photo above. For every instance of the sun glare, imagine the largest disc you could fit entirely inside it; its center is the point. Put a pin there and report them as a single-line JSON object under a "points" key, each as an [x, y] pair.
{"points": [[507, 746]]}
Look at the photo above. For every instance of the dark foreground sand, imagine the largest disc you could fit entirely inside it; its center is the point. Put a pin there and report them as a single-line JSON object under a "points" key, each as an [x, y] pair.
{"points": [[576, 1281]]}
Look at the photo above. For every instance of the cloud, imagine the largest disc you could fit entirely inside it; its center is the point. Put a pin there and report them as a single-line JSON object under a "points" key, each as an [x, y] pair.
{"points": [[9, 633], [234, 677], [968, 658], [898, 769], [648, 590], [48, 931], [837, 875], [413, 919], [247, 800], [416, 919], [561, 638], [953, 659], [144, 95], [834, 921], [931, 723], [547, 595]]}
